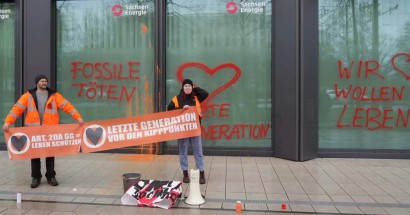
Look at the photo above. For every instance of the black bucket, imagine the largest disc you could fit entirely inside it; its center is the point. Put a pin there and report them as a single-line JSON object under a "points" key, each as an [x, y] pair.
{"points": [[130, 179]]}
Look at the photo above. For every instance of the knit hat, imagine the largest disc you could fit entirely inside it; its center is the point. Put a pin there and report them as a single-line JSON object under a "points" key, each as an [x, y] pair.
{"points": [[187, 81], [39, 77]]}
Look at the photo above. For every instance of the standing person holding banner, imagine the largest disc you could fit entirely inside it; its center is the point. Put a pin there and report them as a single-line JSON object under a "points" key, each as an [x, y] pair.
{"points": [[41, 104], [190, 95]]}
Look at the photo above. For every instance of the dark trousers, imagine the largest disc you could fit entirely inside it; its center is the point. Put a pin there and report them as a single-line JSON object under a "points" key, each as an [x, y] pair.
{"points": [[36, 168]]}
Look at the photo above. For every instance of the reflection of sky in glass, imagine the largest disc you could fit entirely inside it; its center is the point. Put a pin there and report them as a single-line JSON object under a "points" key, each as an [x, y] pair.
{"points": [[79, 17], [391, 19]]}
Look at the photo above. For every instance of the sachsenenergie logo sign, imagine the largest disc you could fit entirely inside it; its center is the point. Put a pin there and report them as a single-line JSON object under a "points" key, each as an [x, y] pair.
{"points": [[116, 10], [4, 13], [245, 7], [129, 10], [231, 7]]}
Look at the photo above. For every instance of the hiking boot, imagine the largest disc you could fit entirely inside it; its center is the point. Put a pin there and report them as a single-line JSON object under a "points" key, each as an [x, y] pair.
{"points": [[52, 181], [35, 182], [186, 177], [202, 177]]}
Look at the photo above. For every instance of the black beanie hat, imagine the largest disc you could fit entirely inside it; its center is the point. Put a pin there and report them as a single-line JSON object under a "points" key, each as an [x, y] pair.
{"points": [[187, 81], [39, 77]]}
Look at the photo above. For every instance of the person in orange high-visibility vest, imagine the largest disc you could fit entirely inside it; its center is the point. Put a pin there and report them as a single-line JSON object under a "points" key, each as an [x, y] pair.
{"points": [[41, 105], [190, 95]]}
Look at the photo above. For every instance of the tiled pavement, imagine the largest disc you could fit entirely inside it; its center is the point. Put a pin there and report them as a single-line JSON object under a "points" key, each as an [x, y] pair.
{"points": [[92, 184]]}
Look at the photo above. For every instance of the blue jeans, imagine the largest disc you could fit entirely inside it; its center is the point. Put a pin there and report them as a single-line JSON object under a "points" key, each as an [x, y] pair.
{"points": [[196, 146]]}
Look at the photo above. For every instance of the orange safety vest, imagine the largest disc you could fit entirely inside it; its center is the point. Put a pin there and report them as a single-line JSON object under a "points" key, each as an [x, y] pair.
{"points": [[197, 104], [51, 116]]}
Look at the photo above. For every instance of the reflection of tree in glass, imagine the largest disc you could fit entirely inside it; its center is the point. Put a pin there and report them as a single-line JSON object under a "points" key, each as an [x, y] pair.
{"points": [[91, 24], [349, 31]]}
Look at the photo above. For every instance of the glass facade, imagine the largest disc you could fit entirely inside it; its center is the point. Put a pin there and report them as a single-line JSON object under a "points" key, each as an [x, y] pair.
{"points": [[7, 55], [105, 65], [225, 48], [364, 74], [105, 55]]}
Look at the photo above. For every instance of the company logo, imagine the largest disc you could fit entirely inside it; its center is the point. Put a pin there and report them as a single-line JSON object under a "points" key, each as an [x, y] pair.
{"points": [[4, 13], [116, 10], [129, 10], [94, 136], [19, 143], [231, 7], [246, 7]]}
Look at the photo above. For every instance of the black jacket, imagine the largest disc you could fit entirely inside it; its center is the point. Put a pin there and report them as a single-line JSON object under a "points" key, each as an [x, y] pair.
{"points": [[34, 95], [183, 99]]}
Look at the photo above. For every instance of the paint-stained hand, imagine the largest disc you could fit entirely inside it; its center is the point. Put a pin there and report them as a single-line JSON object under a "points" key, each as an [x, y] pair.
{"points": [[80, 121], [6, 127]]}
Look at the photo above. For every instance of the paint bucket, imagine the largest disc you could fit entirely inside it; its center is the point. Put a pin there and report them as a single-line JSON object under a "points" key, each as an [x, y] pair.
{"points": [[130, 179]]}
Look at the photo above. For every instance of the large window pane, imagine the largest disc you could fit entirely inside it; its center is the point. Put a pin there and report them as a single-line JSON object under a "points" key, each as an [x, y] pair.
{"points": [[105, 57], [225, 48], [7, 71], [364, 74]]}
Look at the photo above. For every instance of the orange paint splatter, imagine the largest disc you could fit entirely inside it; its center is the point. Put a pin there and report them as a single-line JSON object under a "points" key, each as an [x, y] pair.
{"points": [[144, 28]]}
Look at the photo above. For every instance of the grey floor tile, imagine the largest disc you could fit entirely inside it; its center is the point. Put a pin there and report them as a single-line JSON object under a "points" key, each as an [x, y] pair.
{"points": [[114, 191], [277, 197], [215, 195], [320, 198], [46, 206], [403, 199], [234, 187], [298, 197], [257, 207], [104, 200], [215, 186], [373, 210], [349, 210], [236, 196], [211, 205], [372, 190], [269, 177], [293, 188], [252, 177], [313, 188], [13, 212], [301, 208], [325, 209], [341, 198], [256, 196], [234, 177], [363, 199], [84, 200], [86, 214], [392, 190], [273, 187], [398, 211], [254, 187], [33, 212], [353, 190], [333, 189], [385, 199], [60, 213]]}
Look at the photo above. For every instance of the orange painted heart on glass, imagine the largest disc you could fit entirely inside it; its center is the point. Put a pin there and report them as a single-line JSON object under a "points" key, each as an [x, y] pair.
{"points": [[211, 72]]}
